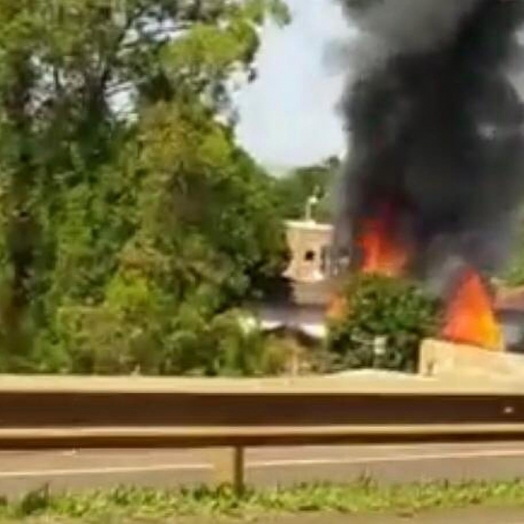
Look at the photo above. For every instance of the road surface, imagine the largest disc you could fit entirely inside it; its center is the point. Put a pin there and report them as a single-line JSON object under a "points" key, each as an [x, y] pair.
{"points": [[75, 470]]}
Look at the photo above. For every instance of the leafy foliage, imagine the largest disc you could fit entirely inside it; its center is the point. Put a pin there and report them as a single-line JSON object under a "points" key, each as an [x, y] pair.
{"points": [[514, 272], [130, 220], [363, 496], [378, 306], [297, 187]]}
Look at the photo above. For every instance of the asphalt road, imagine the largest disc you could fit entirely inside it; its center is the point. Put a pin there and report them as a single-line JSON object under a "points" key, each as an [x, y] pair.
{"points": [[20, 472]]}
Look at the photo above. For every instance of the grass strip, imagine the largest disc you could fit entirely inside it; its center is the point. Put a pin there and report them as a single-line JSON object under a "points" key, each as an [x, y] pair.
{"points": [[364, 496]]}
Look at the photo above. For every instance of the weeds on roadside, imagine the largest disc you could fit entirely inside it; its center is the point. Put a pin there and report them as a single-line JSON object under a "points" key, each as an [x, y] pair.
{"points": [[362, 496]]}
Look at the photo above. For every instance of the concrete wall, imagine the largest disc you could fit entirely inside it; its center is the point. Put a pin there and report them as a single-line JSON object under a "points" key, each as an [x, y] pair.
{"points": [[310, 245]]}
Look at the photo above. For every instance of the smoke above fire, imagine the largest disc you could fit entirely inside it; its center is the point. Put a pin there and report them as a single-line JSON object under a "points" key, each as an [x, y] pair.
{"points": [[436, 129]]}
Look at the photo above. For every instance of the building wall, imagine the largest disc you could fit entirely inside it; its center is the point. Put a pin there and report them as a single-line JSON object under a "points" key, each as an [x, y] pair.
{"points": [[310, 272], [310, 244]]}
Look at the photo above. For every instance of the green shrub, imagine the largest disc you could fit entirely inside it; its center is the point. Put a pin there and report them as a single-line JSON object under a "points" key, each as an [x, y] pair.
{"points": [[139, 336], [377, 306], [236, 346]]}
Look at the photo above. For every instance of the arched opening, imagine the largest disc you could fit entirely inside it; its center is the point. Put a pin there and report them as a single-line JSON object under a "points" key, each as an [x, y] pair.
{"points": [[310, 256]]}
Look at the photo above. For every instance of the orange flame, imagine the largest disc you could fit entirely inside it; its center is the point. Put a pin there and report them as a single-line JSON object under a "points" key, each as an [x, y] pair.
{"points": [[337, 308], [470, 318], [381, 253]]}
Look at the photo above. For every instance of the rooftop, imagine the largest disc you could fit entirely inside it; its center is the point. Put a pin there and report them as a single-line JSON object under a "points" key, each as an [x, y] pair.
{"points": [[309, 225]]}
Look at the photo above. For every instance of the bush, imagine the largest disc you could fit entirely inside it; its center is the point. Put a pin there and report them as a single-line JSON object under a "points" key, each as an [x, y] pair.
{"points": [[110, 339], [378, 306]]}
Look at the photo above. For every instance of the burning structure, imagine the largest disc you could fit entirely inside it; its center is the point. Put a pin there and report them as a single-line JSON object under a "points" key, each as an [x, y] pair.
{"points": [[436, 166]]}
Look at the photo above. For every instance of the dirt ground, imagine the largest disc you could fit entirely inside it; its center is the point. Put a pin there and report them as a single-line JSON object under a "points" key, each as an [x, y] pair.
{"points": [[476, 516], [471, 516]]}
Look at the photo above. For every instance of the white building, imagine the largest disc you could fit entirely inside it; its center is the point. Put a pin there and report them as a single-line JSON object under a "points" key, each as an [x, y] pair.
{"points": [[310, 274]]}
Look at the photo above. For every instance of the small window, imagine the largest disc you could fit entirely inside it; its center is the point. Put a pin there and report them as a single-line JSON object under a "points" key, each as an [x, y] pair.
{"points": [[310, 256]]}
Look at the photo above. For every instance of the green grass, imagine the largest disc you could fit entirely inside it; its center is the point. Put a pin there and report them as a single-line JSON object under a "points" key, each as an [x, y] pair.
{"points": [[154, 505]]}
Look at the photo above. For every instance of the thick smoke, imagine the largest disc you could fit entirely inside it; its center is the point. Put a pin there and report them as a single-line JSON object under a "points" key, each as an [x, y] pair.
{"points": [[436, 128]]}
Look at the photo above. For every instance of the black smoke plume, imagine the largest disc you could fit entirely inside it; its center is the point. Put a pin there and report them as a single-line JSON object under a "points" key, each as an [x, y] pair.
{"points": [[436, 128]]}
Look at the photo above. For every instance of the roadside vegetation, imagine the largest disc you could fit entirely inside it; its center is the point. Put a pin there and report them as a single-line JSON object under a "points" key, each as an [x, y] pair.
{"points": [[131, 222], [362, 497], [133, 227], [376, 306]]}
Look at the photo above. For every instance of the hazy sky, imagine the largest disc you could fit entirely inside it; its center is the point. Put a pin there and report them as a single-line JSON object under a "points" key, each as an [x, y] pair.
{"points": [[288, 115]]}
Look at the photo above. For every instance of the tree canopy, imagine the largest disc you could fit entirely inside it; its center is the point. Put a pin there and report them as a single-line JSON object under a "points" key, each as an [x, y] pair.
{"points": [[129, 215], [295, 188]]}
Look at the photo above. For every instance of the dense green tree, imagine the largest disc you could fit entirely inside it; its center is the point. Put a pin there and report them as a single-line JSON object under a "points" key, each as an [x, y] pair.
{"points": [[396, 310], [295, 189], [513, 273], [130, 217]]}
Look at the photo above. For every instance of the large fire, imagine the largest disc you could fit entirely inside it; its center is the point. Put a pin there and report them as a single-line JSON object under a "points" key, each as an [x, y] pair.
{"points": [[470, 318], [381, 252]]}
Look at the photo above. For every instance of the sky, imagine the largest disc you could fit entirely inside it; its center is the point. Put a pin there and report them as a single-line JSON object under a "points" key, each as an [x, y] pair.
{"points": [[288, 116]]}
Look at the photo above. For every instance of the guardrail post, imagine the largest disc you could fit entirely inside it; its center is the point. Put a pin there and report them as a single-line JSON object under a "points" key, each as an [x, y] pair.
{"points": [[229, 468]]}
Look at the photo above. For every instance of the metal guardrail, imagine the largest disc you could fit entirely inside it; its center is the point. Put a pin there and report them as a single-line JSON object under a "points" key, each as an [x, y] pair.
{"points": [[59, 413]]}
